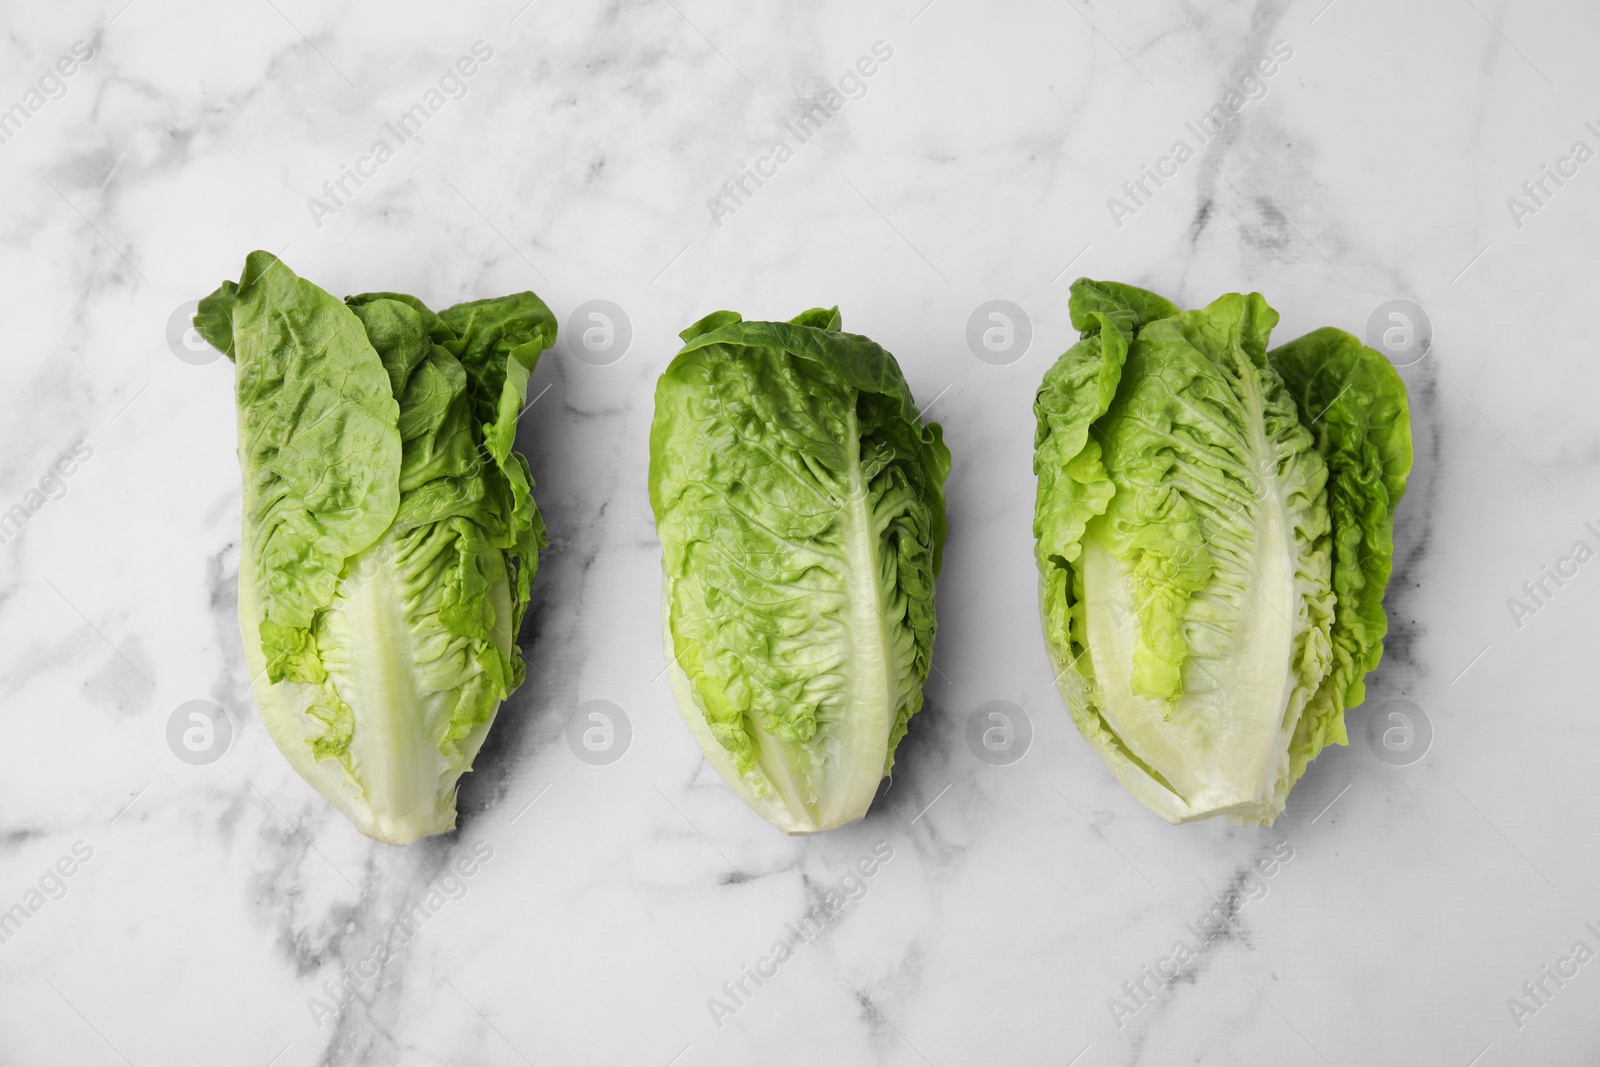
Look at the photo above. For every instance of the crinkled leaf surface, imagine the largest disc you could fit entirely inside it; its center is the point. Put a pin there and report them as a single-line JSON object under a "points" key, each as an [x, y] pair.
{"points": [[1355, 403], [799, 500], [1189, 520], [390, 536]]}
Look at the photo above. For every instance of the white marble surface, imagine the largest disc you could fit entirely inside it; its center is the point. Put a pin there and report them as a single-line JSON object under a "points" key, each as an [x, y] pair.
{"points": [[216, 900]]}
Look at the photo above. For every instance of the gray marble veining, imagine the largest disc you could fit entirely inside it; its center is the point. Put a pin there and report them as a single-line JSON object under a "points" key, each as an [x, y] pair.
{"points": [[223, 913]]}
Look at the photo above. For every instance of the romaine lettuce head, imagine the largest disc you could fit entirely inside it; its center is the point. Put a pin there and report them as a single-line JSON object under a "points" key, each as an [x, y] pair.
{"points": [[1213, 527], [800, 504], [390, 535]]}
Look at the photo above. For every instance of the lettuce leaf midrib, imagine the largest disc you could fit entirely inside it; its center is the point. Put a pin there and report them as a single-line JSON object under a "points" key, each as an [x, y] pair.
{"points": [[341, 695], [1307, 480], [789, 501]]}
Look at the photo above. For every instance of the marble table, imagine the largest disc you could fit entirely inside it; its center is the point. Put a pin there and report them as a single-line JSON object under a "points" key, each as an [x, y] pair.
{"points": [[935, 156]]}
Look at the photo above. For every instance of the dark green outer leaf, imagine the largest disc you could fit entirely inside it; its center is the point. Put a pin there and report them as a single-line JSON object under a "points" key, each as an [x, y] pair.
{"points": [[1355, 404], [1129, 305], [858, 361], [317, 441]]}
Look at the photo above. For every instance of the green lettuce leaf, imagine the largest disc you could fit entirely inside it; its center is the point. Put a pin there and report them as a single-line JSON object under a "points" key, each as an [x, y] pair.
{"points": [[1355, 404], [1213, 528], [799, 500], [390, 536]]}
